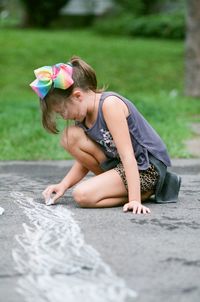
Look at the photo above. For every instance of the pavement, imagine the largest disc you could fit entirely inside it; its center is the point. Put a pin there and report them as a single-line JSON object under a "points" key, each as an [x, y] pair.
{"points": [[66, 253]]}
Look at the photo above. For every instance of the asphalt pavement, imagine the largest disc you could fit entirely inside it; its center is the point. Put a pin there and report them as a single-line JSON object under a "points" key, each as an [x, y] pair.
{"points": [[96, 254]]}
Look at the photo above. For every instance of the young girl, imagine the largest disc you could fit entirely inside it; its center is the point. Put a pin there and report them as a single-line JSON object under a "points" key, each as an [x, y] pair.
{"points": [[110, 138]]}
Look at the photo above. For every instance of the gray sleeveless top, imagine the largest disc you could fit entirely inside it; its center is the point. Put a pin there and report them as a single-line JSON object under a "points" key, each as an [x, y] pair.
{"points": [[144, 139]]}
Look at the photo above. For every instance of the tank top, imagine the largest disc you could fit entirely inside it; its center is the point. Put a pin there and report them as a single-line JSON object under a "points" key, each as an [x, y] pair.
{"points": [[145, 140]]}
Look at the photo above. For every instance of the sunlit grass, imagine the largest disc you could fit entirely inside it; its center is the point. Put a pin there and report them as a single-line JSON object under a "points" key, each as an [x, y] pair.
{"points": [[149, 72]]}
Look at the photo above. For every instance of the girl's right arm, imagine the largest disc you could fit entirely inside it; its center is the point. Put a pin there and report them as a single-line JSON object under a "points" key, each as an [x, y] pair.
{"points": [[76, 173]]}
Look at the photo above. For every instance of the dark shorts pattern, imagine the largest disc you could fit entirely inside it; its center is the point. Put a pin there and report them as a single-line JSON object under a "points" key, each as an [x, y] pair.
{"points": [[148, 178]]}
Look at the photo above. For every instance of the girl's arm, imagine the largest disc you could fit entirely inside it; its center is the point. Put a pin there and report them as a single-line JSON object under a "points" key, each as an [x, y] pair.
{"points": [[76, 173], [115, 113]]}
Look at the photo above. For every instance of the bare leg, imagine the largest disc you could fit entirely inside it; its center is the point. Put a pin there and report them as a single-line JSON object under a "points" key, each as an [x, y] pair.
{"points": [[104, 190], [87, 152]]}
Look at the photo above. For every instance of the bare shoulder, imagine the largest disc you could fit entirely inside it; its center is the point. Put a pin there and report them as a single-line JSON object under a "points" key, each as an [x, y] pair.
{"points": [[114, 104]]}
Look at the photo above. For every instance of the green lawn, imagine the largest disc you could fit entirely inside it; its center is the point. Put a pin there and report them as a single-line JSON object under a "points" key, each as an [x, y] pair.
{"points": [[150, 72]]}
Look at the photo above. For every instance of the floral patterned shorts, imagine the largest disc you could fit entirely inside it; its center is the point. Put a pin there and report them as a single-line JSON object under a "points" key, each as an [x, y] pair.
{"points": [[148, 178]]}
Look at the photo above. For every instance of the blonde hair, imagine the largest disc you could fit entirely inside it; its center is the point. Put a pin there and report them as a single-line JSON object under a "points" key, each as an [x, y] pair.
{"points": [[84, 77]]}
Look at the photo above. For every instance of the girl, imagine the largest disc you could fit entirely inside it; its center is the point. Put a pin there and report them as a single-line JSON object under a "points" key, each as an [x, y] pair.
{"points": [[110, 138]]}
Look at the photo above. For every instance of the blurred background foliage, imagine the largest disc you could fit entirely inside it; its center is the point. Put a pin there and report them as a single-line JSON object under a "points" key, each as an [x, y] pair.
{"points": [[150, 72], [155, 18]]}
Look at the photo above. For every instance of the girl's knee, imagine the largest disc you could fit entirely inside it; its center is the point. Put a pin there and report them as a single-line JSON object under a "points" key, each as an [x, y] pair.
{"points": [[82, 197], [70, 137]]}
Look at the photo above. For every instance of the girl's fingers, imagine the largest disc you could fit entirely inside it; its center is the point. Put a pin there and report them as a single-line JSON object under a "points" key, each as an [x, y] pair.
{"points": [[52, 193], [56, 196], [47, 192], [126, 207], [140, 210], [44, 194], [146, 210], [136, 209]]}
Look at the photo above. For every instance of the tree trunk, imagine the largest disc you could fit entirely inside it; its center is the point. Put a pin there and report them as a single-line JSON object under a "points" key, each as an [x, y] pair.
{"points": [[41, 13], [192, 83]]}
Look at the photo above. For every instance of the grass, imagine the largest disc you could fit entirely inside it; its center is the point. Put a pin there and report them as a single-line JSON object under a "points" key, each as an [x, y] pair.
{"points": [[149, 72]]}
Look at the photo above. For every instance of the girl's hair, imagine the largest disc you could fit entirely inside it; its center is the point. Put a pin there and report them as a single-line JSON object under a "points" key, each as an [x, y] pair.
{"points": [[84, 77]]}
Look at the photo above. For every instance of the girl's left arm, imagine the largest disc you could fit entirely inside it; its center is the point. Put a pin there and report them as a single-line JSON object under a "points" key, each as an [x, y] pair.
{"points": [[115, 114]]}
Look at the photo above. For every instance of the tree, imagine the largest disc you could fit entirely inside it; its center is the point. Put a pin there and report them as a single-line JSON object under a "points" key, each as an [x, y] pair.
{"points": [[192, 85], [40, 13]]}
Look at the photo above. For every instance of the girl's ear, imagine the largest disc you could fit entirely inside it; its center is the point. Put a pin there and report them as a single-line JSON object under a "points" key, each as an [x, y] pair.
{"points": [[77, 94]]}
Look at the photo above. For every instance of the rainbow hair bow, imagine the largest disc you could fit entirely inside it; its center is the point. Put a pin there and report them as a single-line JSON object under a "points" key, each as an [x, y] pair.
{"points": [[58, 76]]}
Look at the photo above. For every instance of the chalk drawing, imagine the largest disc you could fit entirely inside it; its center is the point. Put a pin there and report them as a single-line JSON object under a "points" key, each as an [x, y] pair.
{"points": [[55, 263], [1, 211]]}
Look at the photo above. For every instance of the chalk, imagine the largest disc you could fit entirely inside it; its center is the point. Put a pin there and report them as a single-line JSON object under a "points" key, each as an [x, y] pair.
{"points": [[1, 210], [45, 267], [49, 201]]}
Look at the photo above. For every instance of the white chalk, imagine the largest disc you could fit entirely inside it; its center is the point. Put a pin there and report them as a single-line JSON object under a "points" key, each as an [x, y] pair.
{"points": [[1, 210], [49, 201], [46, 268]]}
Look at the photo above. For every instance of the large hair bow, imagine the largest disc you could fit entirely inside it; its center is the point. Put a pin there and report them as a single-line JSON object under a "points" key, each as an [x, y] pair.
{"points": [[58, 76]]}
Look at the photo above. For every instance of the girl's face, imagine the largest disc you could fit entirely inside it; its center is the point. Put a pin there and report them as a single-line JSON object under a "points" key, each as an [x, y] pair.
{"points": [[72, 109]]}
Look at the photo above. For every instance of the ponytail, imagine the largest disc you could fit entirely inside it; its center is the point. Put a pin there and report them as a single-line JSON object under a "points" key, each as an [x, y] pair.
{"points": [[83, 75]]}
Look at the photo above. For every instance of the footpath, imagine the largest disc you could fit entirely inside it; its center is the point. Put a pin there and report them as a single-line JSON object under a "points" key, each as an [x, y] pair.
{"points": [[65, 253]]}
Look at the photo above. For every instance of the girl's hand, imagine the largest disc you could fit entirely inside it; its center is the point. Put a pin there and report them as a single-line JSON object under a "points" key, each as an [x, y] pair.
{"points": [[136, 207], [54, 192]]}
